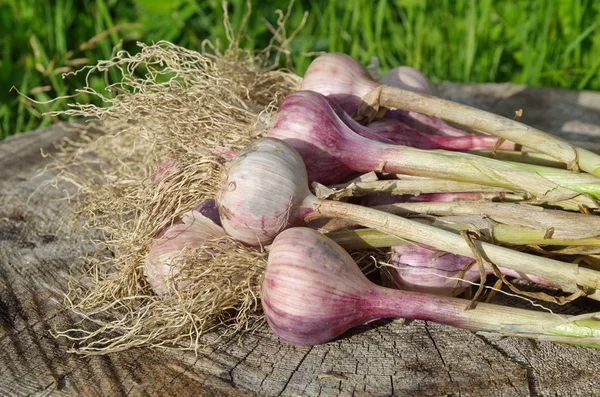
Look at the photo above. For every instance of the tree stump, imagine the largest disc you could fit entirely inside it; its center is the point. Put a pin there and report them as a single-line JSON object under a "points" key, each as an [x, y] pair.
{"points": [[385, 358]]}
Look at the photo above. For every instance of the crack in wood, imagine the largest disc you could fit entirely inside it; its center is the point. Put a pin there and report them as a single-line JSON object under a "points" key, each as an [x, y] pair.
{"points": [[526, 366], [295, 370], [6, 320], [437, 349], [242, 360], [43, 389]]}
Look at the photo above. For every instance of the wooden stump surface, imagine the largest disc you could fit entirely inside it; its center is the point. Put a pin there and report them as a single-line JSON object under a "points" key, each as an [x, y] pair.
{"points": [[386, 358]]}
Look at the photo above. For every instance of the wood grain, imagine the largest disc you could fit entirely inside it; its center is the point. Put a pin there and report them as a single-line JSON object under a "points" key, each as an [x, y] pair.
{"points": [[385, 358]]}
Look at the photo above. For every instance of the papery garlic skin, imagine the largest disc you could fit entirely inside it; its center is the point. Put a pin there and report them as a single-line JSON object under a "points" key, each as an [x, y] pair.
{"points": [[192, 231], [209, 209], [263, 191]]}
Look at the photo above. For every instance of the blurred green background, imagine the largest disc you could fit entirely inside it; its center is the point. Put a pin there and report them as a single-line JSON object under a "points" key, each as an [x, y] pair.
{"points": [[542, 43]]}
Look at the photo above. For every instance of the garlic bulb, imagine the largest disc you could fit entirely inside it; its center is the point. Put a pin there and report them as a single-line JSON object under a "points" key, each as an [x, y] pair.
{"points": [[313, 291], [160, 263], [263, 192], [416, 268]]}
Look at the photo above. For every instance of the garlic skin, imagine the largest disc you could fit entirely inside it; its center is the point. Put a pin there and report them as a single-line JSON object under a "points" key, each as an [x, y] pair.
{"points": [[352, 80], [159, 265], [408, 78], [209, 209], [263, 193], [426, 270]]}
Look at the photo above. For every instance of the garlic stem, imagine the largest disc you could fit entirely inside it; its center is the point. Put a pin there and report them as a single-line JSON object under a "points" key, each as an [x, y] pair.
{"points": [[561, 224], [395, 303], [569, 276], [486, 317], [356, 239], [398, 187], [518, 235], [581, 183], [532, 158]]}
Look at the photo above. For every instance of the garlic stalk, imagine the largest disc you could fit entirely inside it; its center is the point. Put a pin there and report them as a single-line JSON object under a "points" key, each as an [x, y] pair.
{"points": [[356, 239], [411, 79], [556, 224]]}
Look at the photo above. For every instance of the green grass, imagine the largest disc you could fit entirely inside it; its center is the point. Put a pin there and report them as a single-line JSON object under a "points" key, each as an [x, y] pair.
{"points": [[541, 43]]}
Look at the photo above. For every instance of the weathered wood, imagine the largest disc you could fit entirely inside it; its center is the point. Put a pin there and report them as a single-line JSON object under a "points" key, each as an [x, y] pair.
{"points": [[385, 358]]}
